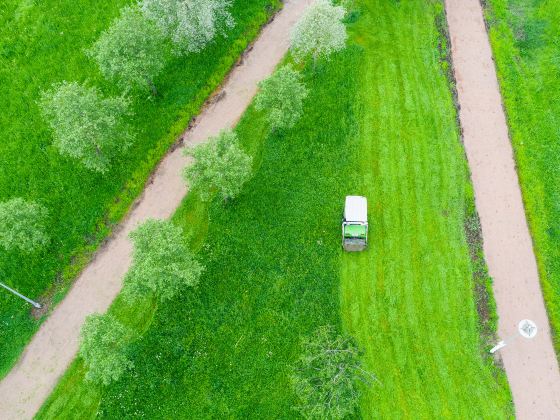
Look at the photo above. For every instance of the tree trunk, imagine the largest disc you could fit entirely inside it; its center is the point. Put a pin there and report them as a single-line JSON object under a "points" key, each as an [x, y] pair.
{"points": [[152, 86], [315, 58]]}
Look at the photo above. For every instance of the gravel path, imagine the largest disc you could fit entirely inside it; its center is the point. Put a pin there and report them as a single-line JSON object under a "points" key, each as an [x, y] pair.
{"points": [[531, 365], [54, 346]]}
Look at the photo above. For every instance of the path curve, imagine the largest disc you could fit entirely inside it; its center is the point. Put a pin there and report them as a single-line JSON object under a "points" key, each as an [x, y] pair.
{"points": [[54, 346], [531, 365]]}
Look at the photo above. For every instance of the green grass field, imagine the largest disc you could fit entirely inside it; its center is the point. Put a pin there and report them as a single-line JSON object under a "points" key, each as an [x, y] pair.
{"points": [[44, 42], [409, 300], [379, 120], [524, 37]]}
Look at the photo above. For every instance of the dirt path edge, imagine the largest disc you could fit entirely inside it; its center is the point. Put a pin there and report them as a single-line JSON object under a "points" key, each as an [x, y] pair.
{"points": [[531, 365]]}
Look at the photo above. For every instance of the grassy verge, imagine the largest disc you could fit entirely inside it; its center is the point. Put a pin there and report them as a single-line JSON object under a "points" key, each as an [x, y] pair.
{"points": [[379, 120], [524, 38], [41, 43]]}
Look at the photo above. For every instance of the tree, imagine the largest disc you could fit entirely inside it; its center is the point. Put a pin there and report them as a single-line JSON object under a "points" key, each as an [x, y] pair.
{"points": [[162, 262], [86, 126], [132, 51], [22, 225], [282, 96], [320, 31], [190, 24], [327, 374], [103, 348], [219, 165]]}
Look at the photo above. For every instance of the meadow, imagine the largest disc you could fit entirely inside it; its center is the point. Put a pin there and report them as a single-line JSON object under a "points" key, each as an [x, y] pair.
{"points": [[42, 43], [524, 38], [379, 121], [417, 301]]}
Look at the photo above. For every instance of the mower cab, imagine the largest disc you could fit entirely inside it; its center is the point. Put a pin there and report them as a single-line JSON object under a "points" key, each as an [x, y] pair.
{"points": [[355, 224]]}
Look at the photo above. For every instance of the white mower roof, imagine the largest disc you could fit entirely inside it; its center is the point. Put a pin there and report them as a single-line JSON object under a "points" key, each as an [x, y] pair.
{"points": [[355, 209]]}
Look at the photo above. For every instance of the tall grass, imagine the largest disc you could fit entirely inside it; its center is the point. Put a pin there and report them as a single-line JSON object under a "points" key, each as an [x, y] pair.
{"points": [[42, 42]]}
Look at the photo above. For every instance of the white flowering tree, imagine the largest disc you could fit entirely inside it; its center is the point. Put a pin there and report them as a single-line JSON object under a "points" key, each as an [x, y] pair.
{"points": [[86, 126], [282, 95], [22, 225], [320, 32], [220, 165], [190, 24], [132, 51], [162, 263], [103, 341]]}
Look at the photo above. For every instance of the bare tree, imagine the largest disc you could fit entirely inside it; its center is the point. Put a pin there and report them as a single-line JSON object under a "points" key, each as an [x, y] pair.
{"points": [[220, 165], [327, 374]]}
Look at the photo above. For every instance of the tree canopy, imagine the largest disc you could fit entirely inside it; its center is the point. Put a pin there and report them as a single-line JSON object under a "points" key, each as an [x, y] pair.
{"points": [[132, 51], [326, 376], [190, 24], [162, 263], [86, 126], [103, 348], [282, 95], [22, 225], [220, 165], [320, 31]]}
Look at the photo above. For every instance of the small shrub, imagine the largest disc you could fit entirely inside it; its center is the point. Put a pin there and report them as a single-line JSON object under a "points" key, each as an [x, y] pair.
{"points": [[22, 225], [103, 344]]}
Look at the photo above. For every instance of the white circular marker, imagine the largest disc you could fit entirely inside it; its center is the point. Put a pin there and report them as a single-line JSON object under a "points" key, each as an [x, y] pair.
{"points": [[527, 328]]}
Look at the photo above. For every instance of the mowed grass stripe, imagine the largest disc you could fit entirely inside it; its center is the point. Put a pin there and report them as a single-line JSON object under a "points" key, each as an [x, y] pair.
{"points": [[409, 299]]}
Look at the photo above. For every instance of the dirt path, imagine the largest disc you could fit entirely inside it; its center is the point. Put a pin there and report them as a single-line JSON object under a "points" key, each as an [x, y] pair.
{"points": [[531, 365], [54, 346]]}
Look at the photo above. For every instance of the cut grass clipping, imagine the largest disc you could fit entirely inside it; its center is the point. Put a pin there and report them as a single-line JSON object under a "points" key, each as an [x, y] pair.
{"points": [[42, 43], [379, 120], [524, 37]]}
